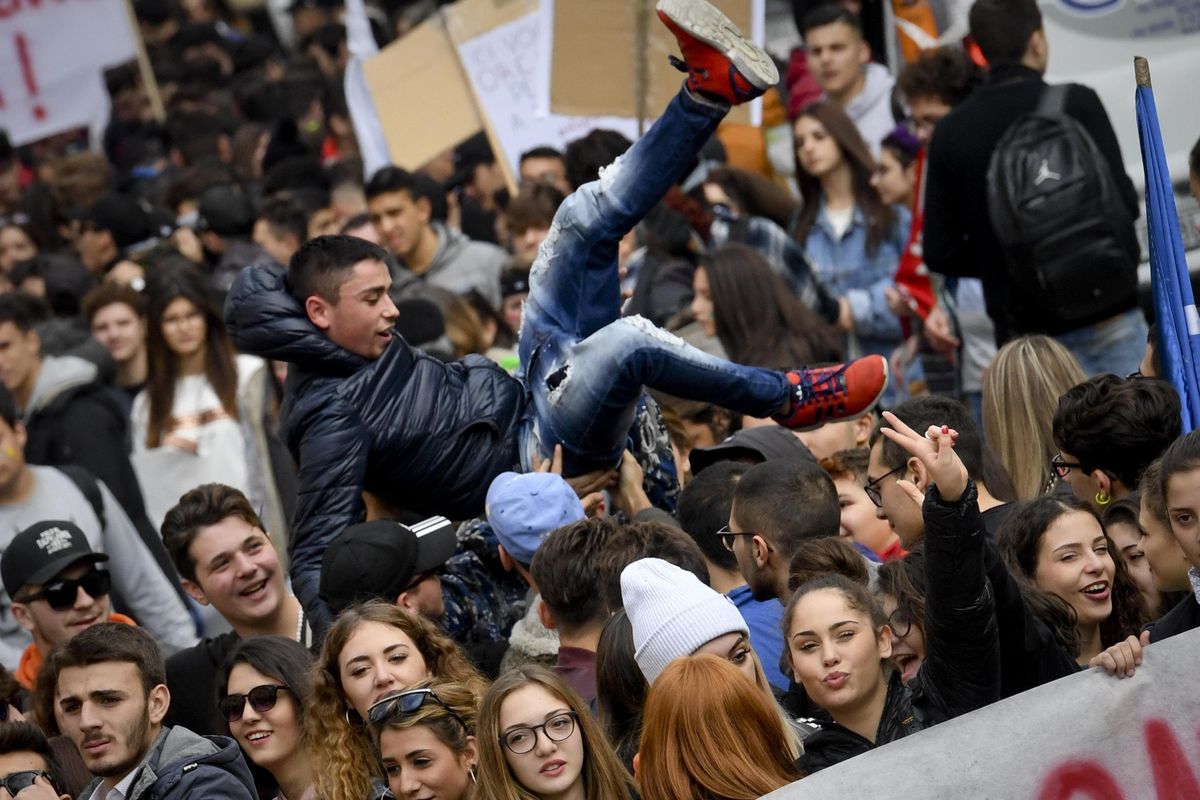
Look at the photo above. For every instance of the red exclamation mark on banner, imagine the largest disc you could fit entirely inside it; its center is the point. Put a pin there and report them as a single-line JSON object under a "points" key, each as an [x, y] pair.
{"points": [[39, 111]]}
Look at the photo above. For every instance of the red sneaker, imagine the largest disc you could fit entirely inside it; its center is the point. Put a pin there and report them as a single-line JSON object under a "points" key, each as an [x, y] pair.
{"points": [[828, 394], [719, 60]]}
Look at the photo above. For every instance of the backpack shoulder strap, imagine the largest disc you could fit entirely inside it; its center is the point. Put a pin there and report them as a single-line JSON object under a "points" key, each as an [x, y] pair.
{"points": [[1053, 102], [89, 486]]}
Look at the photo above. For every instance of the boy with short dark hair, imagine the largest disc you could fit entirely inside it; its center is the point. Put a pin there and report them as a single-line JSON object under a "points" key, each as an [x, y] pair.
{"points": [[107, 686], [566, 570], [840, 59], [427, 248], [960, 239], [365, 412], [226, 560]]}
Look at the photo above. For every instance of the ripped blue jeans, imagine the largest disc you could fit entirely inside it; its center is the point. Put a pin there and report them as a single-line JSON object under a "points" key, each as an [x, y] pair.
{"points": [[584, 366]]}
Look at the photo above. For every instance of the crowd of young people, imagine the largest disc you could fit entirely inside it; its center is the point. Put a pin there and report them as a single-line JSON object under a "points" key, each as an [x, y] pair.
{"points": [[664, 477]]}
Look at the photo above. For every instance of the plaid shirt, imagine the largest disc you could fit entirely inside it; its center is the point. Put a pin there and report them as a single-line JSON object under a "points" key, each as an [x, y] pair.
{"points": [[783, 253]]}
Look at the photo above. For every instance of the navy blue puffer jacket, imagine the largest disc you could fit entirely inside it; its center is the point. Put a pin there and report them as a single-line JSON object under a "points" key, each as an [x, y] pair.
{"points": [[420, 434]]}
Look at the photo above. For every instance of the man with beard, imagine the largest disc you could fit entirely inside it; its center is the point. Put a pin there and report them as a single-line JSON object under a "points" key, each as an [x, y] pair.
{"points": [[110, 697]]}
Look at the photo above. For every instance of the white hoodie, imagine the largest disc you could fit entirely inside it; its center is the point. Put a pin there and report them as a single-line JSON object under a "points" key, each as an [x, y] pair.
{"points": [[871, 110]]}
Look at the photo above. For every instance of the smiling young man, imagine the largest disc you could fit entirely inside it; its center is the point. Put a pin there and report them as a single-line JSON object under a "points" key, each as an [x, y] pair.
{"points": [[31, 495], [109, 696], [227, 560], [366, 411], [51, 573]]}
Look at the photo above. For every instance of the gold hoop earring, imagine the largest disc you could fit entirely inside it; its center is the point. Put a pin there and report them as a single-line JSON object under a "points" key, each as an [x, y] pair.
{"points": [[1102, 498]]}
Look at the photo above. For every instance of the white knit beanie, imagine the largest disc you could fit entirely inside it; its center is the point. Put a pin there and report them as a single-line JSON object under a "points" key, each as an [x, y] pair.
{"points": [[672, 613]]}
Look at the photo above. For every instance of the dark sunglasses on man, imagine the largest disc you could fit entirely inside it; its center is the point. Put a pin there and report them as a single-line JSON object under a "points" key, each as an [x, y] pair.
{"points": [[15, 782], [61, 594], [261, 698]]}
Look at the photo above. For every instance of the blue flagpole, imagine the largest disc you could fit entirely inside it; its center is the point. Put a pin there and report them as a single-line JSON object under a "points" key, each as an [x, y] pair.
{"points": [[1174, 304]]}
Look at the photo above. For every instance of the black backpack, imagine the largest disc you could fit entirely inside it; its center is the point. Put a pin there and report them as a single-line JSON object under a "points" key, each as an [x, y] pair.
{"points": [[1056, 210]]}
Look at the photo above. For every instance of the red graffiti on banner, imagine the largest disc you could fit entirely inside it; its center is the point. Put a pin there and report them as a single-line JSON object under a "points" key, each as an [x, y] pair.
{"points": [[1174, 778], [11, 8]]}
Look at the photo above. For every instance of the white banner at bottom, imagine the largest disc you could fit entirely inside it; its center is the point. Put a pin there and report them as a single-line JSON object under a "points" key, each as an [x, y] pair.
{"points": [[1086, 737]]}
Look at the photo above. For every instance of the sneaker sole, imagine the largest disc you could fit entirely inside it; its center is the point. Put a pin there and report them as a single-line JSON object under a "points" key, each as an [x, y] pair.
{"points": [[709, 25]]}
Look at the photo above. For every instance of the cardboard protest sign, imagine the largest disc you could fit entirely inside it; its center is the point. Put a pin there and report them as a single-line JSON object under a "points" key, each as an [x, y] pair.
{"points": [[53, 54], [423, 98], [504, 66], [598, 59], [1086, 736]]}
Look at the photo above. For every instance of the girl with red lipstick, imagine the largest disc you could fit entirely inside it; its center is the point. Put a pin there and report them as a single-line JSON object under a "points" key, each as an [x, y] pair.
{"points": [[841, 643], [1057, 544], [539, 741], [264, 684]]}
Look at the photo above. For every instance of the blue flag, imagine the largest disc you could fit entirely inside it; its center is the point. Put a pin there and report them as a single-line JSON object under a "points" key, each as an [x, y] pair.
{"points": [[1174, 306]]}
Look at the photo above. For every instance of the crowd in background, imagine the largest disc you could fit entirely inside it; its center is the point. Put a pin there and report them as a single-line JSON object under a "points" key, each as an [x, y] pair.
{"points": [[1021, 504]]}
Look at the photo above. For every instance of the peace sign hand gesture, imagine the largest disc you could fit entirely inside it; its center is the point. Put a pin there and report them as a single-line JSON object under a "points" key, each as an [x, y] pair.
{"points": [[936, 451]]}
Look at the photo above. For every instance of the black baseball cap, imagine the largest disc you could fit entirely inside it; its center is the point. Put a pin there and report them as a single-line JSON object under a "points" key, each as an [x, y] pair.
{"points": [[43, 550], [378, 560], [755, 445]]}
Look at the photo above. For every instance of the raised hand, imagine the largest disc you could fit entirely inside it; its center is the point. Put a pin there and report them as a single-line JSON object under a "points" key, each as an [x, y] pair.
{"points": [[936, 451]]}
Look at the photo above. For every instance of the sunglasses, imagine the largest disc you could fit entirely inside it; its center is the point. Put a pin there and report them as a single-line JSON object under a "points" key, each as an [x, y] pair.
{"points": [[397, 705], [62, 594], [261, 698], [15, 782]]}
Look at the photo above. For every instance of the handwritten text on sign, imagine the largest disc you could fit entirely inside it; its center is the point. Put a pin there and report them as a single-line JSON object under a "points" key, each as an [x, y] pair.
{"points": [[505, 69], [52, 57], [1085, 737]]}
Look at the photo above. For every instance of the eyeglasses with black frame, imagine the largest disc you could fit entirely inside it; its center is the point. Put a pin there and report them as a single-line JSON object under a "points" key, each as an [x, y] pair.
{"points": [[262, 698], [728, 537], [397, 705], [523, 739], [901, 622], [61, 594], [872, 487], [1062, 468], [15, 782]]}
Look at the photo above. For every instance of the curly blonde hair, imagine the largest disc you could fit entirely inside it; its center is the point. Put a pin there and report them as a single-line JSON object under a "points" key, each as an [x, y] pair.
{"points": [[343, 755]]}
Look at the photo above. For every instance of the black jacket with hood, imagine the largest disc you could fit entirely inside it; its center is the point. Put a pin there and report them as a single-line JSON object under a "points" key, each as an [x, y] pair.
{"points": [[421, 434], [182, 765], [961, 671]]}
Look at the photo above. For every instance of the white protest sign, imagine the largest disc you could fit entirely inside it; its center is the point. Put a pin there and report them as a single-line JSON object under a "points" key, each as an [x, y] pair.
{"points": [[1086, 737], [52, 57], [504, 66]]}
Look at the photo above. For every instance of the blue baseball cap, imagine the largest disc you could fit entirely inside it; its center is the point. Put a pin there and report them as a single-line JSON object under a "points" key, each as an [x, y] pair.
{"points": [[523, 509]]}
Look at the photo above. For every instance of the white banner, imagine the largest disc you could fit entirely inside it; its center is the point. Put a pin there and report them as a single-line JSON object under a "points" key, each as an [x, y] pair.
{"points": [[1086, 737], [505, 67], [52, 57]]}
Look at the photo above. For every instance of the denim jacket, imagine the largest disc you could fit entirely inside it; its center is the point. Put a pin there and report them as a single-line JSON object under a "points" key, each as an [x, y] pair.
{"points": [[849, 272]]}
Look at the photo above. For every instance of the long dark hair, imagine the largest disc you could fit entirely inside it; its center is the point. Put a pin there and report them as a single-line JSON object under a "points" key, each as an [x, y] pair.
{"points": [[282, 659], [1019, 540], [620, 687], [759, 320], [220, 366], [880, 218]]}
